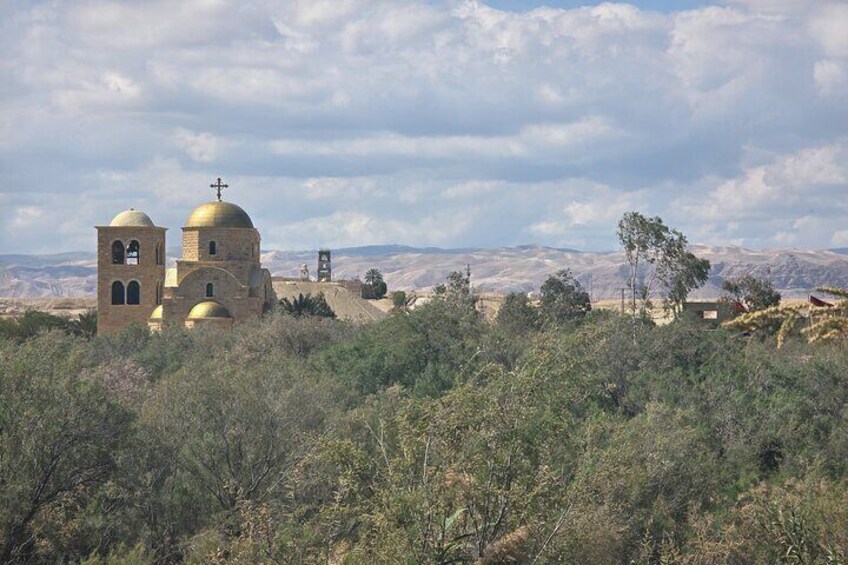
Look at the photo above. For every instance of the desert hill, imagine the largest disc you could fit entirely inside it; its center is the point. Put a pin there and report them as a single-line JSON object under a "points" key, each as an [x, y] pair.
{"points": [[795, 272]]}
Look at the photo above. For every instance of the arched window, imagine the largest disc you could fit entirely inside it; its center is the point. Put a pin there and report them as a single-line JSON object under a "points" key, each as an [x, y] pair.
{"points": [[118, 252], [132, 253], [210, 290], [213, 248], [118, 291], [158, 253], [133, 293]]}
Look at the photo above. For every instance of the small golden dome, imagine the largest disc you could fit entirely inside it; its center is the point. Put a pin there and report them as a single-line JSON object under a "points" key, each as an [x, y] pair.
{"points": [[131, 218], [157, 313], [218, 214], [208, 309]]}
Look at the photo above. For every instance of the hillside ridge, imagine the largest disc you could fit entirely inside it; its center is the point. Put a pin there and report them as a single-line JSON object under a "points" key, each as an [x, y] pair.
{"points": [[794, 272]]}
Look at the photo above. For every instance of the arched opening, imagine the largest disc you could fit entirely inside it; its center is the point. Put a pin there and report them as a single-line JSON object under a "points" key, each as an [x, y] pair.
{"points": [[118, 291], [213, 248], [118, 252], [158, 253], [210, 290], [133, 293], [132, 253]]}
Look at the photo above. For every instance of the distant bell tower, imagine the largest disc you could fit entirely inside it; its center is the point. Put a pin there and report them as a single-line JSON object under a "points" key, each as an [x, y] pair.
{"points": [[130, 271], [325, 273]]}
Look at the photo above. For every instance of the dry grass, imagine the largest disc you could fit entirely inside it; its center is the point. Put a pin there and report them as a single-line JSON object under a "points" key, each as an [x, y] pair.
{"points": [[59, 306]]}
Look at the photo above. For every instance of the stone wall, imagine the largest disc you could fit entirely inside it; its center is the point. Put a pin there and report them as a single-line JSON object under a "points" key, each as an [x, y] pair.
{"points": [[232, 244], [241, 270], [228, 291], [149, 274]]}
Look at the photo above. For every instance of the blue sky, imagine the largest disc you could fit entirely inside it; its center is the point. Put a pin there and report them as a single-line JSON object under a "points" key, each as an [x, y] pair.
{"points": [[448, 123]]}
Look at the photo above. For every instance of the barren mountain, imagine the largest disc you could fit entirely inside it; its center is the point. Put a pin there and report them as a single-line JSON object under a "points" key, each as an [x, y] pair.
{"points": [[795, 272]]}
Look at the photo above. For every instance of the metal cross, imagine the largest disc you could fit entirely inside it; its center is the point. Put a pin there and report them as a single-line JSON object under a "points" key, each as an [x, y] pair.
{"points": [[219, 186]]}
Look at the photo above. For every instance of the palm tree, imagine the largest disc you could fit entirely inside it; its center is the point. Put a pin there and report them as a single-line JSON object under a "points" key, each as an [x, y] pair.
{"points": [[375, 286], [308, 306], [373, 276], [86, 325]]}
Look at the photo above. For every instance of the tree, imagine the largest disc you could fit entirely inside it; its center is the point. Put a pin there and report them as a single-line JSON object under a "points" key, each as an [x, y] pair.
{"points": [[33, 323], [823, 323], [375, 286], [86, 324], [307, 305], [517, 316], [60, 433], [456, 291], [372, 276], [755, 294], [399, 300], [658, 257], [563, 298], [690, 273]]}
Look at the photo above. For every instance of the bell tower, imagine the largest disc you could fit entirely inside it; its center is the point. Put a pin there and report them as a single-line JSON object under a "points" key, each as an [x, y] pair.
{"points": [[325, 272], [130, 271]]}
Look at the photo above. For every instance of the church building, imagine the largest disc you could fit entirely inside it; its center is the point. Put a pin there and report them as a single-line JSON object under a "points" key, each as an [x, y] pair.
{"points": [[218, 281]]}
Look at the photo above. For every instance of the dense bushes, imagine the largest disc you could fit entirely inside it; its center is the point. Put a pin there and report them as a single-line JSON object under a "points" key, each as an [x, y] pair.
{"points": [[430, 437]]}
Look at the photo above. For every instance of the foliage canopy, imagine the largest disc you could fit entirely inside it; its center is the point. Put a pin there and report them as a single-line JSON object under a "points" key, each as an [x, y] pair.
{"points": [[307, 305], [659, 259], [429, 437], [755, 293]]}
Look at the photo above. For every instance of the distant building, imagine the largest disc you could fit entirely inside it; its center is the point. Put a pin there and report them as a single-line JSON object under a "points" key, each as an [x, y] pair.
{"points": [[713, 312], [325, 273], [218, 281]]}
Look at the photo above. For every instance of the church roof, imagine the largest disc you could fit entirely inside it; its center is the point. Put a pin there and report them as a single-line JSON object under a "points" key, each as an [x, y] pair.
{"points": [[218, 214], [131, 218], [208, 309]]}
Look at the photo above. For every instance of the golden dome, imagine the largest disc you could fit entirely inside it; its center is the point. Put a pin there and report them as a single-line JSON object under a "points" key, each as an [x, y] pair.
{"points": [[208, 309], [218, 214], [157, 313], [131, 218]]}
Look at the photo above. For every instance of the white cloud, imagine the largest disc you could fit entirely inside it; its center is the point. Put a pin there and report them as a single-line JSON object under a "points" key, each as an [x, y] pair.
{"points": [[787, 181], [337, 189], [343, 229], [588, 206], [470, 190], [203, 147], [827, 25], [830, 77], [840, 238], [438, 122], [794, 198], [25, 216], [533, 140]]}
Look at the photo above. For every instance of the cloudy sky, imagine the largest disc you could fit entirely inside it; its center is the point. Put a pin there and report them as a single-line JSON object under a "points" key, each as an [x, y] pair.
{"points": [[442, 122]]}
